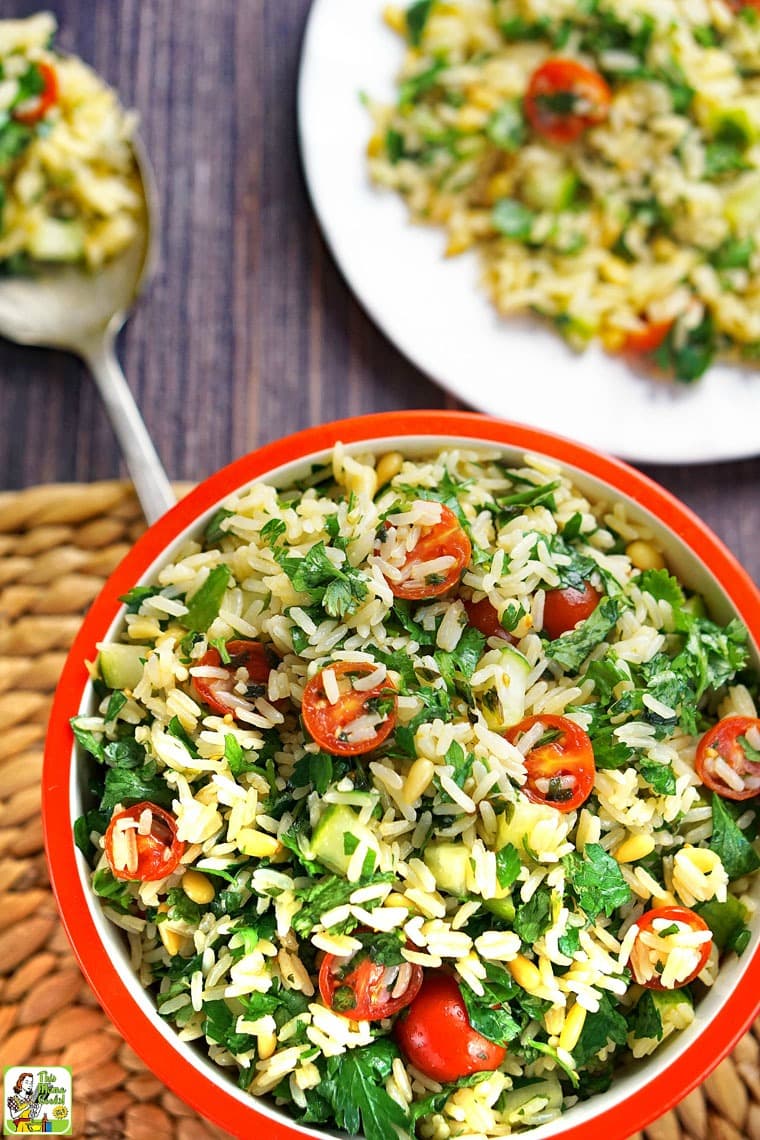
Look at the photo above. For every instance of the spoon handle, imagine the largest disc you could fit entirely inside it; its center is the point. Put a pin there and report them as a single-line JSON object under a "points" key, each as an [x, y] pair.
{"points": [[151, 483]]}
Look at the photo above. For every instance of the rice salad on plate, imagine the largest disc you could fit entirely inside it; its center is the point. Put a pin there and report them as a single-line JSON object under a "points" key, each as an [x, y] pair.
{"points": [[603, 157], [423, 793], [69, 188]]}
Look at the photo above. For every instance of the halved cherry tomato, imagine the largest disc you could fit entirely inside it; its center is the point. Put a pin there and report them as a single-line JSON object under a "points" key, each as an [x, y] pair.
{"points": [[363, 990], [737, 5], [330, 724], [485, 618], [218, 692], [564, 608], [564, 99], [436, 1037], [560, 772], [158, 852], [32, 110], [444, 539], [724, 742], [669, 914], [646, 339]]}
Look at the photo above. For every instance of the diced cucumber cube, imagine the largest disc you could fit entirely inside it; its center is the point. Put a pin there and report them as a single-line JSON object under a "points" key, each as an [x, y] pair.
{"points": [[121, 666], [501, 694], [550, 188], [514, 1103], [337, 835], [56, 240], [742, 204], [451, 868]]}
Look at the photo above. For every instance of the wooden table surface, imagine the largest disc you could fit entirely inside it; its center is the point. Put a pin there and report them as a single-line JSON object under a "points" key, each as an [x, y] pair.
{"points": [[248, 331]]}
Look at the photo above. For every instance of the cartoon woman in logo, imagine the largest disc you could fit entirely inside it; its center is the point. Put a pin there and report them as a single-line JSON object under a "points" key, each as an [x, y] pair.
{"points": [[23, 1106]]}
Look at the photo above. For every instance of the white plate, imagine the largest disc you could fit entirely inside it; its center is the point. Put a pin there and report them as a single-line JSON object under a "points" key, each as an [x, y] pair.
{"points": [[433, 308]]}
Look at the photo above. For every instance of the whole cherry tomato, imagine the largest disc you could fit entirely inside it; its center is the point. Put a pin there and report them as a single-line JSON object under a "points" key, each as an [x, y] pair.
{"points": [[665, 917], [364, 990], [219, 692], [435, 1034], [436, 1037], [359, 720], [564, 608], [158, 852], [561, 770], [727, 741], [32, 110], [444, 539], [565, 98]]}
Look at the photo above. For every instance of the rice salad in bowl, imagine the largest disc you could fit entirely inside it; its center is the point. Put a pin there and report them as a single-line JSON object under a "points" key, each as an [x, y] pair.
{"points": [[422, 791], [602, 156], [69, 188]]}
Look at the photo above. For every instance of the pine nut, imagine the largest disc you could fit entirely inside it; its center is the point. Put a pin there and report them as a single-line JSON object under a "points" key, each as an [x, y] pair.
{"points": [[395, 19], [634, 847], [612, 339], [554, 1019], [257, 843], [499, 186], [524, 973], [703, 859], [615, 270], [394, 899], [484, 97], [375, 146], [198, 887], [144, 629], [458, 243], [471, 118], [171, 940], [266, 1043], [359, 478], [388, 465], [572, 1028], [418, 779], [644, 556]]}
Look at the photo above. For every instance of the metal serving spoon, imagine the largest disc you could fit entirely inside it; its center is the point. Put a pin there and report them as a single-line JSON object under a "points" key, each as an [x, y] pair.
{"points": [[73, 308]]}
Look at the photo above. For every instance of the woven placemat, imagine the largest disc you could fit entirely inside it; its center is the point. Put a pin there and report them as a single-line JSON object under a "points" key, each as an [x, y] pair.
{"points": [[57, 545]]}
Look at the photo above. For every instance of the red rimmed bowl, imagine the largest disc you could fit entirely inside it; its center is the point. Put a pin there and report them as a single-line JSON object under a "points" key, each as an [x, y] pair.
{"points": [[694, 554]]}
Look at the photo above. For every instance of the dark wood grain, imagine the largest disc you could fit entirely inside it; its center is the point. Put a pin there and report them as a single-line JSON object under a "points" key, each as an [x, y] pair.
{"points": [[248, 331]]}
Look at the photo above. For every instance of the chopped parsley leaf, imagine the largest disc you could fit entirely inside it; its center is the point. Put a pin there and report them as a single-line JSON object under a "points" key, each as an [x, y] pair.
{"points": [[596, 881], [206, 602], [572, 649], [729, 842]]}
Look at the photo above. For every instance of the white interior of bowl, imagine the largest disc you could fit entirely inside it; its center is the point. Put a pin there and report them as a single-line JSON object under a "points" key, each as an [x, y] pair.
{"points": [[682, 560]]}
